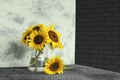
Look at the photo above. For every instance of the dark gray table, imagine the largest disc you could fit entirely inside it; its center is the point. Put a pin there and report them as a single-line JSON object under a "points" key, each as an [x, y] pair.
{"points": [[78, 73]]}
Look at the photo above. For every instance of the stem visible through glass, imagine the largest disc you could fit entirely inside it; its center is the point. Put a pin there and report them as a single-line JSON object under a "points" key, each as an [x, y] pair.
{"points": [[33, 61]]}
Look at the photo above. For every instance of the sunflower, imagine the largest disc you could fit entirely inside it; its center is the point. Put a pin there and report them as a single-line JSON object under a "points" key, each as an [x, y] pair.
{"points": [[39, 27], [26, 34], [54, 65], [54, 37], [38, 40]]}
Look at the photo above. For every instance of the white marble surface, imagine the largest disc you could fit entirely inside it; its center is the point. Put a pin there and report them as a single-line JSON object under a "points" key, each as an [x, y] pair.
{"points": [[17, 15]]}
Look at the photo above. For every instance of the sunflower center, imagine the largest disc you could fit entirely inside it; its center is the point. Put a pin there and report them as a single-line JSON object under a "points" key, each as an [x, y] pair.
{"points": [[38, 39], [36, 28], [53, 36], [54, 66]]}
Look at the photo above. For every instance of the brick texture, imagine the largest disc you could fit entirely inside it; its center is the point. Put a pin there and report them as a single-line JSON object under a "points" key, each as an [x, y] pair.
{"points": [[98, 34]]}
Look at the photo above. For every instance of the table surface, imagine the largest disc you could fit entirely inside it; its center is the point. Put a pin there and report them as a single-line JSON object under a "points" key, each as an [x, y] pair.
{"points": [[78, 73]]}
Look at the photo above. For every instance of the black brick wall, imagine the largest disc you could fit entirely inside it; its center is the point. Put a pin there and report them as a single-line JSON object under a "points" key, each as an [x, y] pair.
{"points": [[98, 33]]}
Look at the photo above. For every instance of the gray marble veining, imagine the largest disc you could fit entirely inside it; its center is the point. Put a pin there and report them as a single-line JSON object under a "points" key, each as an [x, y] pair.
{"points": [[17, 15]]}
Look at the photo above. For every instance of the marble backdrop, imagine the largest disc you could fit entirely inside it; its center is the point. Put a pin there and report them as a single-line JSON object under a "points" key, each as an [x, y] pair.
{"points": [[17, 15]]}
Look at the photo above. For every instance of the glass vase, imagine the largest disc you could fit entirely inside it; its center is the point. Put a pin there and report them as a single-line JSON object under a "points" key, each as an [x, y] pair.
{"points": [[36, 62]]}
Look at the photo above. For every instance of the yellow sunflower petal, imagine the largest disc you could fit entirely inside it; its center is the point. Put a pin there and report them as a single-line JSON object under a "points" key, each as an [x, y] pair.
{"points": [[54, 37], [25, 35], [54, 65], [37, 40], [60, 45], [52, 26]]}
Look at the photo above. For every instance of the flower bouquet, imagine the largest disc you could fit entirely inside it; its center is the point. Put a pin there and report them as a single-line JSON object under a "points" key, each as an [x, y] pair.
{"points": [[39, 36]]}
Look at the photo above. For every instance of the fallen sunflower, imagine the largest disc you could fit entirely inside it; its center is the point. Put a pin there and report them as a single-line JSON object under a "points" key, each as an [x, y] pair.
{"points": [[54, 65], [38, 40], [54, 37]]}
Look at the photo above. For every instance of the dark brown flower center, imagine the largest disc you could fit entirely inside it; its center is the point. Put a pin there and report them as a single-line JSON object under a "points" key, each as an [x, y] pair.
{"points": [[36, 28], [54, 66], [53, 36], [38, 39]]}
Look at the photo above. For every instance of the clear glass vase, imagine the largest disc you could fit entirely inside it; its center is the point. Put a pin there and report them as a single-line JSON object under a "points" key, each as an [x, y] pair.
{"points": [[36, 62]]}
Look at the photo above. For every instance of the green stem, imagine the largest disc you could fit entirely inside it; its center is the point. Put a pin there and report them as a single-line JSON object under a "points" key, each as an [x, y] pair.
{"points": [[68, 68], [37, 54], [32, 63], [35, 60], [40, 52]]}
